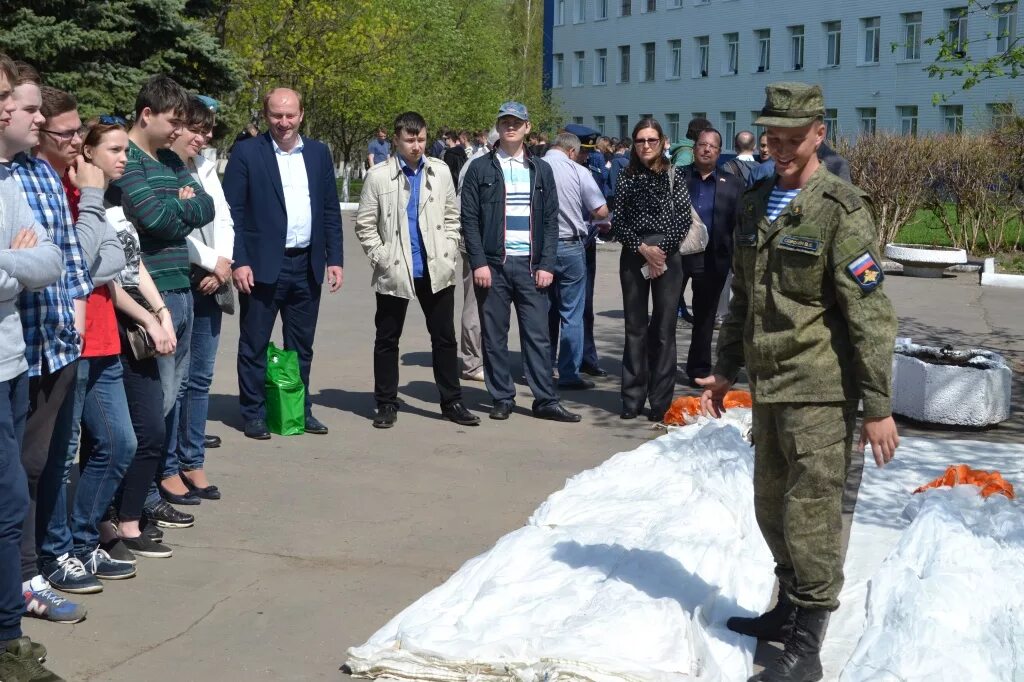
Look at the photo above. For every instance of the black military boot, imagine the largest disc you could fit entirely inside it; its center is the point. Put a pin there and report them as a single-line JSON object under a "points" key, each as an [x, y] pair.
{"points": [[800, 661], [773, 626]]}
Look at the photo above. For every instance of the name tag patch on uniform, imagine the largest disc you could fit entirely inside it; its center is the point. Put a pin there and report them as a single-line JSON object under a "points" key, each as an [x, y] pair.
{"points": [[746, 239], [796, 243], [865, 272]]}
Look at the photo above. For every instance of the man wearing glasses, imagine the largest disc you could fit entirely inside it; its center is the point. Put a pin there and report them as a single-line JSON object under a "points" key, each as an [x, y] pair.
{"points": [[510, 227]]}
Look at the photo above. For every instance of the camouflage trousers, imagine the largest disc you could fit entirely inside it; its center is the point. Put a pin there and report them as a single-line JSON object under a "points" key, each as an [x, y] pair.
{"points": [[801, 460]]}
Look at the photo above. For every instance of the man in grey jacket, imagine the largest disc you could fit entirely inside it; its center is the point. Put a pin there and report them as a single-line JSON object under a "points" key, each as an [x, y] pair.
{"points": [[28, 259]]}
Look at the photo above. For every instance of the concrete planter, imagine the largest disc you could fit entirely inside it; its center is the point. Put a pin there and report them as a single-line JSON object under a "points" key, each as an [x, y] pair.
{"points": [[925, 261], [952, 387]]}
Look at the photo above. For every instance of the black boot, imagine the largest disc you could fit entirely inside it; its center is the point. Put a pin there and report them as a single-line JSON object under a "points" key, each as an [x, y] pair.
{"points": [[800, 661], [773, 626]]}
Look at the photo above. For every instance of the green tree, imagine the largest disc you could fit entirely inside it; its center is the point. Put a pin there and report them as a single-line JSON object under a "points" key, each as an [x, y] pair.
{"points": [[103, 51]]}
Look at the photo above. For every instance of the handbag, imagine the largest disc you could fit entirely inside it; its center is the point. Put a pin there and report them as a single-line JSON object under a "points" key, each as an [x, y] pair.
{"points": [[139, 341], [696, 239]]}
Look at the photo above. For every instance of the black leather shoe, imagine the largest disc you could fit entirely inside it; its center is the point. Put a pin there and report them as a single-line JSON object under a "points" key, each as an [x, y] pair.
{"points": [[257, 429], [593, 370], [174, 498], [501, 410], [578, 385], [210, 492], [458, 413], [656, 415], [628, 414], [386, 417], [313, 425], [211, 441], [556, 413]]}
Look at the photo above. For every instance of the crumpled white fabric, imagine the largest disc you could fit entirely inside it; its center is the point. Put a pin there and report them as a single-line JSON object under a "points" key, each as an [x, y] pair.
{"points": [[628, 573], [948, 603]]}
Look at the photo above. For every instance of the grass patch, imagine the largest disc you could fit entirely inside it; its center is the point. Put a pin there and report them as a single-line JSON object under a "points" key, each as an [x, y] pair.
{"points": [[925, 229], [1010, 263], [355, 186]]}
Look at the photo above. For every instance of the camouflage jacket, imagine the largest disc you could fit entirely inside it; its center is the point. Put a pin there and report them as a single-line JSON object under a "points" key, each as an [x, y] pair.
{"points": [[808, 315]]}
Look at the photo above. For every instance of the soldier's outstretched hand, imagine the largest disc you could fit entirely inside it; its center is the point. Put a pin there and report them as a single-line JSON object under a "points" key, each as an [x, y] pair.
{"points": [[880, 433], [715, 388]]}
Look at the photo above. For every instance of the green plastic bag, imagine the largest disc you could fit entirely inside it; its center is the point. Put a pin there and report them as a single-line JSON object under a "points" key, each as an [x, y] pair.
{"points": [[286, 396]]}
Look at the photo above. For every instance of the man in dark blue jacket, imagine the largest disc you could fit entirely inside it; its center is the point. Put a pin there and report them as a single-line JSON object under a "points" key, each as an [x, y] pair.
{"points": [[510, 226], [284, 203]]}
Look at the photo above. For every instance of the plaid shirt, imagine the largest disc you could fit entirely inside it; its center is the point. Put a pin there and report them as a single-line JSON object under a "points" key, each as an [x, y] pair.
{"points": [[48, 316]]}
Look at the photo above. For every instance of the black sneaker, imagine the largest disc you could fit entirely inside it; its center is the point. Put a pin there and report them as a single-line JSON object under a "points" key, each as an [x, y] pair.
{"points": [[118, 551], [166, 516], [153, 532], [143, 546]]}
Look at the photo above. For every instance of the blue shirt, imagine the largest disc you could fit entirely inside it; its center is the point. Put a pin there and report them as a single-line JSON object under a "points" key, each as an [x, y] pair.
{"points": [[763, 170], [380, 149], [48, 316], [415, 178], [702, 196]]}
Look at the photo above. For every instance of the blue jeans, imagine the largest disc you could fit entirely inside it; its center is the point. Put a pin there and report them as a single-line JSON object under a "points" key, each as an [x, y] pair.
{"points": [[173, 379], [195, 405], [101, 422], [565, 319], [13, 502]]}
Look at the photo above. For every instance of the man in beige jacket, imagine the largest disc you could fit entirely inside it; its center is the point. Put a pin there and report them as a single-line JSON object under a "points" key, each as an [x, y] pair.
{"points": [[408, 225]]}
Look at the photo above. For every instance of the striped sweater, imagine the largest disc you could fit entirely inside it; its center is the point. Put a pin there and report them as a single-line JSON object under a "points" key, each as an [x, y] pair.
{"points": [[149, 195]]}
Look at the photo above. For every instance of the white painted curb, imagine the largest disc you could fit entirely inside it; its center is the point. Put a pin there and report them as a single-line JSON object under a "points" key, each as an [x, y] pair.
{"points": [[991, 278], [350, 206], [976, 394]]}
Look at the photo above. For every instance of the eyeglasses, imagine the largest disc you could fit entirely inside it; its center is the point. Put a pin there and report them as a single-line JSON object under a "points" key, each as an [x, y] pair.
{"points": [[649, 141], [109, 120], [64, 135], [705, 145]]}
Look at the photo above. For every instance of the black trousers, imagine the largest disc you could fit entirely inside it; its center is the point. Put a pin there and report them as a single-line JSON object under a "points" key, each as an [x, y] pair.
{"points": [[649, 356], [145, 405], [707, 284], [296, 295], [439, 311]]}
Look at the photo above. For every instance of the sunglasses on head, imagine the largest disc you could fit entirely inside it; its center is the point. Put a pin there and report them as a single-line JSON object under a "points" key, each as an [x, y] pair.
{"points": [[108, 120]]}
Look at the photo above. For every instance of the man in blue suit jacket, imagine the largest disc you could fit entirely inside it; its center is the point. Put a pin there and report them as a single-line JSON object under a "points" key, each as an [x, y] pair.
{"points": [[284, 203]]}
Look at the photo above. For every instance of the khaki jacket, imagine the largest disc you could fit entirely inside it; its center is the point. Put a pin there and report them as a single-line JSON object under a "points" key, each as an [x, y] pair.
{"points": [[809, 317], [382, 226]]}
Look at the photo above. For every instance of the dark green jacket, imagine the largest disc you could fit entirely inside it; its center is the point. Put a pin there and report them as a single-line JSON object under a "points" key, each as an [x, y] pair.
{"points": [[800, 321]]}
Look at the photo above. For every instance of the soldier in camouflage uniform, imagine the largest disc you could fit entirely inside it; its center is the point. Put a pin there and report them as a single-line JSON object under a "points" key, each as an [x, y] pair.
{"points": [[810, 322]]}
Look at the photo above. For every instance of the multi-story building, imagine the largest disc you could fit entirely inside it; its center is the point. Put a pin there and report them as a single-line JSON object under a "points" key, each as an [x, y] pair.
{"points": [[612, 61]]}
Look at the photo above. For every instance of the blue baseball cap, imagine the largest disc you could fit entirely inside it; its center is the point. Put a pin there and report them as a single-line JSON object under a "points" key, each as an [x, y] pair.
{"points": [[514, 109]]}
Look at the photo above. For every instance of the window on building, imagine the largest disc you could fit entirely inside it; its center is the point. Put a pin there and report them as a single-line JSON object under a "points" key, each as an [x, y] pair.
{"points": [[832, 125], [912, 36], [702, 57], [728, 128], [578, 65], [557, 70], [907, 116], [580, 15], [833, 42], [956, 29], [578, 120], [675, 59], [872, 30], [599, 124], [559, 12], [675, 4], [600, 9], [623, 63], [649, 58], [758, 130], [648, 6], [764, 49], [796, 48], [1006, 26], [1002, 114], [868, 117], [623, 125], [953, 118], [732, 53], [701, 2], [600, 66], [625, 8], [672, 129]]}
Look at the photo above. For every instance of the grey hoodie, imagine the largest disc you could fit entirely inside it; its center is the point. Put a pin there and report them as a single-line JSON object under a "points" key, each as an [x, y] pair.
{"points": [[32, 269]]}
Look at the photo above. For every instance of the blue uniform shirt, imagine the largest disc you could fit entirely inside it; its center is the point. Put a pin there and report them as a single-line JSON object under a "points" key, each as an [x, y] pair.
{"points": [[413, 212]]}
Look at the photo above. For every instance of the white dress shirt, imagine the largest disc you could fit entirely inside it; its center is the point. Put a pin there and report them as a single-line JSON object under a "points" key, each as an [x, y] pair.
{"points": [[295, 184]]}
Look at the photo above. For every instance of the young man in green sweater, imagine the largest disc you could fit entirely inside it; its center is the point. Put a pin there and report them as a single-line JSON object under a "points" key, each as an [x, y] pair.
{"points": [[165, 204]]}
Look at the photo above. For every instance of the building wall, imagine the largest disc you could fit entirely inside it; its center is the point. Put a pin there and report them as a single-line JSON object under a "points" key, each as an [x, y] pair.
{"points": [[852, 88]]}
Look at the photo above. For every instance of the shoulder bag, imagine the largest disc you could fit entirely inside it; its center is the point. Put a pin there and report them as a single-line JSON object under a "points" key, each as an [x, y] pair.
{"points": [[696, 239]]}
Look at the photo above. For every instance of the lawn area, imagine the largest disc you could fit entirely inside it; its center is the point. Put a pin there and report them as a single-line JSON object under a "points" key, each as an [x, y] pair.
{"points": [[355, 186], [926, 229]]}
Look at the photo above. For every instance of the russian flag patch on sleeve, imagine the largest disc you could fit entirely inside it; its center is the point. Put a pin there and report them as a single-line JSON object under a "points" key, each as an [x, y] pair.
{"points": [[865, 272]]}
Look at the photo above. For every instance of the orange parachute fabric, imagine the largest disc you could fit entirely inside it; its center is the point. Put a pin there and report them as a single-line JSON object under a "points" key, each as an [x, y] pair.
{"points": [[686, 409], [990, 482]]}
